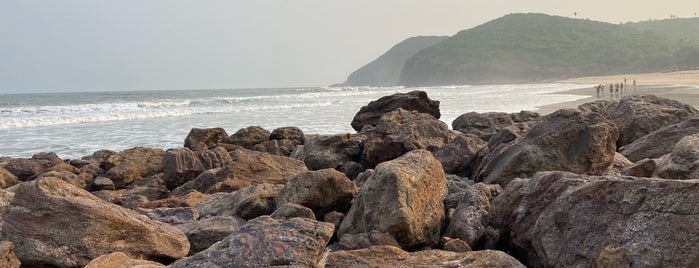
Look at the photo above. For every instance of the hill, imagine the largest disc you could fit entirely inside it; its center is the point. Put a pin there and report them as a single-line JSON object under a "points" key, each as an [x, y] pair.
{"points": [[520, 48], [386, 69], [686, 29]]}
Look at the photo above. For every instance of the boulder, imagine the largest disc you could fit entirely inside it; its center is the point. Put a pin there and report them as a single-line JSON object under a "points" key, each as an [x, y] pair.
{"points": [[247, 203], [322, 191], [327, 151], [661, 141], [291, 210], [28, 169], [455, 245], [183, 165], [121, 260], [202, 139], [248, 168], [482, 125], [7, 179], [7, 255], [366, 240], [471, 217], [683, 161], [122, 175], [401, 131], [619, 163], [389, 256], [205, 232], [276, 147], [54, 223], [579, 141], [101, 183], [249, 136], [293, 134], [351, 169], [411, 101], [66, 176], [637, 116], [148, 161], [404, 197], [458, 156], [266, 242], [643, 168], [559, 219]]}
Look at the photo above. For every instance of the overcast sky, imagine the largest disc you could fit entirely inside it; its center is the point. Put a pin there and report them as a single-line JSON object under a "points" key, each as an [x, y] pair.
{"points": [[96, 45]]}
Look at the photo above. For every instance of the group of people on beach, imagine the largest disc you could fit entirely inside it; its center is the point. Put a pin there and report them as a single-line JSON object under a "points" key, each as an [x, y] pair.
{"points": [[615, 90]]}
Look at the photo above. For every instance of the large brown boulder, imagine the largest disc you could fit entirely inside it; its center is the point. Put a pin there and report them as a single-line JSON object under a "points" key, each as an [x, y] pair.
{"points": [[388, 256], [471, 216], [637, 116], [148, 161], [485, 125], [54, 223], [7, 179], [401, 131], [459, 155], [248, 168], [201, 139], [293, 134], [327, 151], [275, 147], [322, 191], [249, 136], [661, 141], [266, 242], [411, 101], [182, 165], [121, 260], [559, 219], [404, 197], [683, 161], [578, 141], [205, 232], [250, 202], [28, 169]]}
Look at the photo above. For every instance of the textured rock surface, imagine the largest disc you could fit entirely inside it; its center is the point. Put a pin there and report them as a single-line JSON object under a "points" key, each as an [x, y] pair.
{"points": [[247, 203], [121, 260], [661, 141], [322, 191], [293, 134], [291, 210], [683, 161], [404, 198], [182, 165], [54, 223], [388, 256], [249, 136], [7, 179], [202, 139], [558, 219], [485, 125], [471, 215], [205, 232], [411, 101], [327, 151], [7, 255], [266, 242], [459, 155]]}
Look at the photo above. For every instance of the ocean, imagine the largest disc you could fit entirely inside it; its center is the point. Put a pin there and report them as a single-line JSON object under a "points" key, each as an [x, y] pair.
{"points": [[77, 124]]}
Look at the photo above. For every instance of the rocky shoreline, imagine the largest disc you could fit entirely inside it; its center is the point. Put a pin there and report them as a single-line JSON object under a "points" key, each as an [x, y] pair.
{"points": [[609, 184]]}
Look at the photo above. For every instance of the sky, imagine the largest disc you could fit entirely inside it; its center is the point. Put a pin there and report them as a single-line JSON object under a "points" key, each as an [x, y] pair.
{"points": [[98, 45]]}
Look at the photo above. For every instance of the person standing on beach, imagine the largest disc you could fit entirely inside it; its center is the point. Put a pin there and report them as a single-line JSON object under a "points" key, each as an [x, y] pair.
{"points": [[634, 86], [611, 90]]}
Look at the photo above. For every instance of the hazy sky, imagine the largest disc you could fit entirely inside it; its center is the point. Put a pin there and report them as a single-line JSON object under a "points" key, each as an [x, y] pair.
{"points": [[95, 45]]}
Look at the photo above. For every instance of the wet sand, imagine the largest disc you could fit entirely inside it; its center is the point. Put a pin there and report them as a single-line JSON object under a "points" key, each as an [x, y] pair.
{"points": [[682, 86]]}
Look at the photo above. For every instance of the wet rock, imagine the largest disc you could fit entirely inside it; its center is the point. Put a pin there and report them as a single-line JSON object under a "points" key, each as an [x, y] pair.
{"points": [[291, 210], [205, 232], [249, 136], [388, 256], [204, 139], [471, 216], [293, 134], [412, 101], [683, 161], [327, 151], [121, 260], [404, 198], [266, 242], [458, 156], [661, 141], [54, 223], [322, 191]]}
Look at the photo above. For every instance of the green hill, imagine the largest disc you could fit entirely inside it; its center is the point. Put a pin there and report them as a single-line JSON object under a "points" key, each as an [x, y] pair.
{"points": [[520, 48], [686, 29], [385, 70]]}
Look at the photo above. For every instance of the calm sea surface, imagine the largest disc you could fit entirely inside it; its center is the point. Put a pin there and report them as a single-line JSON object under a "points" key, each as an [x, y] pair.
{"points": [[77, 124]]}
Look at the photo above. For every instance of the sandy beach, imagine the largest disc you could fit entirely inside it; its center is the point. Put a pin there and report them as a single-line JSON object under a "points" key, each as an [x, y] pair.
{"points": [[682, 86]]}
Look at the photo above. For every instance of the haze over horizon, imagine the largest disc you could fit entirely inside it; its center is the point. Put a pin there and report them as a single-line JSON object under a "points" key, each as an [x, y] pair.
{"points": [[67, 46]]}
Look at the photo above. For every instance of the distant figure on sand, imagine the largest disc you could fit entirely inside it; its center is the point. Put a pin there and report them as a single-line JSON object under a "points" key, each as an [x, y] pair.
{"points": [[611, 90], [634, 86]]}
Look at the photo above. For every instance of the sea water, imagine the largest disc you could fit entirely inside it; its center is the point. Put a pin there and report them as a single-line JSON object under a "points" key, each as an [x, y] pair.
{"points": [[77, 124]]}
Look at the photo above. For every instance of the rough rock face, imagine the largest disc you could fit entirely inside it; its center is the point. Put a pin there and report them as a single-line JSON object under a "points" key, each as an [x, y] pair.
{"points": [[643, 168], [683, 161], [266, 242], [248, 168], [471, 215], [401, 131], [578, 141], [249, 136], [54, 223], [404, 197], [247, 203], [661, 141], [322, 191], [200, 139], [458, 155], [366, 240], [558, 219], [275, 147], [27, 169], [182, 165], [485, 125], [205, 232], [7, 179], [121, 260], [293, 134], [619, 164], [327, 151], [388, 256], [636, 116], [148, 161], [7, 255], [411, 101], [292, 210]]}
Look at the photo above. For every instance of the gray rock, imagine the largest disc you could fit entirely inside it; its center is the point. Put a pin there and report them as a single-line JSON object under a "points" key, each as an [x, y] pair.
{"points": [[412, 101]]}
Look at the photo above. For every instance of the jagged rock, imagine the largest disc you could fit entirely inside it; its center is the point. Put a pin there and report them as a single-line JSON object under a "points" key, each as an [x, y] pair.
{"points": [[411, 101], [205, 232], [288, 133], [327, 151], [148, 161], [291, 210], [389, 256], [121, 260], [101, 183], [683, 161], [366, 240], [171, 215], [404, 197], [334, 217], [458, 155], [7, 255], [66, 176], [661, 141], [559, 219], [471, 216], [276, 147], [322, 191], [482, 125], [249, 136], [619, 163], [122, 175], [643, 168], [456, 189], [578, 141], [182, 165], [637, 116], [28, 169], [247, 203], [192, 198], [202, 139], [248, 168], [54, 223], [351, 169], [455, 245], [401, 131], [7, 179], [266, 242]]}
